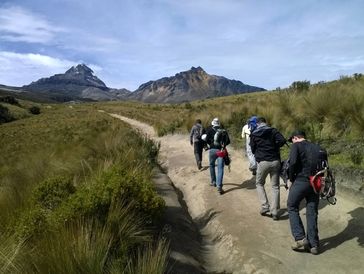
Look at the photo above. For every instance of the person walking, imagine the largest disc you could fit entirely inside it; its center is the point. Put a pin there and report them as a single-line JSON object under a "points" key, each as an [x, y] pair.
{"points": [[196, 133], [265, 143], [217, 138], [245, 134], [301, 165]]}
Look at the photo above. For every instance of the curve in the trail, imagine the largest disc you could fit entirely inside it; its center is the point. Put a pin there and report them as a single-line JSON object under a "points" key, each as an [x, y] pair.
{"points": [[242, 241]]}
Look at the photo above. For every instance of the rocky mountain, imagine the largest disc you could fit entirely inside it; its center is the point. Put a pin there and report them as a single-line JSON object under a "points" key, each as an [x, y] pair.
{"points": [[80, 83], [190, 85], [77, 83]]}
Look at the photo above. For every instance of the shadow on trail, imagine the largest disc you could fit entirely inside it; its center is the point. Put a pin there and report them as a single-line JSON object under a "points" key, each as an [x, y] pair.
{"points": [[247, 184], [354, 229]]}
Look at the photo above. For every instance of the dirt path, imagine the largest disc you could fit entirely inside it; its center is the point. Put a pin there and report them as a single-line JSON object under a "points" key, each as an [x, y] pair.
{"points": [[245, 242]]}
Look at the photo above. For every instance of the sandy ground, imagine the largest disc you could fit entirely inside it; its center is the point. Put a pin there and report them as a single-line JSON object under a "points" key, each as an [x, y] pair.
{"points": [[236, 238]]}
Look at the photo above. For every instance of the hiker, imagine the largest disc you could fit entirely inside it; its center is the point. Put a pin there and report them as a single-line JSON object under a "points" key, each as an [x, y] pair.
{"points": [[217, 139], [301, 160], [265, 143], [197, 131], [245, 134]]}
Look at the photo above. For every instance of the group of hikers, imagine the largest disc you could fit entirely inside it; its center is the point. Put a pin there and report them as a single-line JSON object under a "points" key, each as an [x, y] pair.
{"points": [[263, 144]]}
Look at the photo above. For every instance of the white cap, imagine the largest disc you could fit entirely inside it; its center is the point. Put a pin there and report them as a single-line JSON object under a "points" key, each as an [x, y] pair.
{"points": [[215, 122]]}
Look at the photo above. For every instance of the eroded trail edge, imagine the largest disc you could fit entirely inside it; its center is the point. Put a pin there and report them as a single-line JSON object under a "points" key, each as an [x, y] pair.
{"points": [[237, 238]]}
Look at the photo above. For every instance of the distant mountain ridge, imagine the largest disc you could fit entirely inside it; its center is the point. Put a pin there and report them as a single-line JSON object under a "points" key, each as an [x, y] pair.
{"points": [[80, 83], [190, 85]]}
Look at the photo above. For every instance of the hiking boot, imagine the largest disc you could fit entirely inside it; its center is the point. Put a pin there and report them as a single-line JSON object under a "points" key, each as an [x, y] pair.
{"points": [[298, 245], [275, 217], [314, 250], [221, 191], [265, 212]]}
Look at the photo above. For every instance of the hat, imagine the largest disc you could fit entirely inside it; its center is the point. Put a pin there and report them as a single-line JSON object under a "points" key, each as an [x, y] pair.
{"points": [[296, 133], [215, 122]]}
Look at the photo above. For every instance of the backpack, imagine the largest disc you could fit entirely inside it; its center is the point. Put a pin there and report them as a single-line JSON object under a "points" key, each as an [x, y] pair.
{"points": [[221, 137], [252, 123], [284, 172], [322, 180]]}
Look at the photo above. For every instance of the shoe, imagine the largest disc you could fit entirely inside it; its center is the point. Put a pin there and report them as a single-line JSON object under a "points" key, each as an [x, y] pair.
{"points": [[314, 250], [265, 212], [212, 184], [221, 191], [298, 245], [275, 217]]}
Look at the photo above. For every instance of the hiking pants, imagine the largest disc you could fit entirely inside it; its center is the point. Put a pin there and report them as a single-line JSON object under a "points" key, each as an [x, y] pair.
{"points": [[250, 155], [301, 189], [272, 168], [220, 168], [197, 149]]}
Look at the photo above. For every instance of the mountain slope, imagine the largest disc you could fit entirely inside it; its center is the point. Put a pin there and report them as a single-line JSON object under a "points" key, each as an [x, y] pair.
{"points": [[190, 85], [77, 83]]}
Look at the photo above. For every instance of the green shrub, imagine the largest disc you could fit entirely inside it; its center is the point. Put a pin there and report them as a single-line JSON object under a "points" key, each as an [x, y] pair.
{"points": [[50, 193], [5, 115], [34, 110], [356, 157]]}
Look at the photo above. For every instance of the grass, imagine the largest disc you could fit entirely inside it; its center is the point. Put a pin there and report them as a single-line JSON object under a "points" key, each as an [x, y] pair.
{"points": [[76, 194], [331, 114]]}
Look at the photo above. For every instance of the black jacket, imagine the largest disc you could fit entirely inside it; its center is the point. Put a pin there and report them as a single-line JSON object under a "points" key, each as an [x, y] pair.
{"points": [[302, 160], [265, 143]]}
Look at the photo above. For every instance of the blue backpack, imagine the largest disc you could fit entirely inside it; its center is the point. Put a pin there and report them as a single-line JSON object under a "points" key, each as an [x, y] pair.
{"points": [[252, 123]]}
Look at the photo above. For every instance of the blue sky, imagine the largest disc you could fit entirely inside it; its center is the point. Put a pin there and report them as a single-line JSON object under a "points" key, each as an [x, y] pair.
{"points": [[129, 42]]}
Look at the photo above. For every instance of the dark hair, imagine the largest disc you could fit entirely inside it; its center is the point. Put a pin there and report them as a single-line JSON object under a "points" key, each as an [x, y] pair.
{"points": [[261, 120], [198, 121]]}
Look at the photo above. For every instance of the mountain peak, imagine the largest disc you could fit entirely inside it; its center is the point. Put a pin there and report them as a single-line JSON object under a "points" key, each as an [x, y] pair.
{"points": [[80, 69], [198, 69]]}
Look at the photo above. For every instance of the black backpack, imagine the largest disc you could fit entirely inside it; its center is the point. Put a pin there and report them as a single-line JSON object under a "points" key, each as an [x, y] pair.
{"points": [[322, 180]]}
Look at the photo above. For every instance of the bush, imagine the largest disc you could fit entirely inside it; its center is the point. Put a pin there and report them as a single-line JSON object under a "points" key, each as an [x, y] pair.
{"points": [[9, 100], [52, 192], [5, 115], [34, 110]]}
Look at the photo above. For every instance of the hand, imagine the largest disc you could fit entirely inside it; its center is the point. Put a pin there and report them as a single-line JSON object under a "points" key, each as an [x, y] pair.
{"points": [[289, 184]]}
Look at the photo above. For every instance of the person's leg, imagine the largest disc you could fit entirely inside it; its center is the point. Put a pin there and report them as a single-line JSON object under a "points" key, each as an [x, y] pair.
{"points": [[200, 150], [274, 179], [196, 152], [251, 158], [212, 160], [262, 172], [295, 196], [220, 173], [311, 216]]}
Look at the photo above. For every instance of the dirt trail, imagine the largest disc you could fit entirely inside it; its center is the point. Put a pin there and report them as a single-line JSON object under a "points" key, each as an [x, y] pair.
{"points": [[245, 242]]}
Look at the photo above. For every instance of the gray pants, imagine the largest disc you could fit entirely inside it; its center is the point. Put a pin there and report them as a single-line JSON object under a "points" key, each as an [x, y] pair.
{"points": [[272, 168]]}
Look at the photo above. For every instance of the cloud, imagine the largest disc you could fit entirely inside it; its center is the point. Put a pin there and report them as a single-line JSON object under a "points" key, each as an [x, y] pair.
{"points": [[20, 69], [20, 25]]}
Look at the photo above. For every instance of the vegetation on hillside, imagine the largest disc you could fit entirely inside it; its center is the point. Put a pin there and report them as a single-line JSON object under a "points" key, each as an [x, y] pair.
{"points": [[76, 195], [331, 114]]}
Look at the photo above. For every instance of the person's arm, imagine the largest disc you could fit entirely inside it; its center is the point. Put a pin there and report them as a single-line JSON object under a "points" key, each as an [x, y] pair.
{"points": [[252, 144], [293, 157], [191, 135], [279, 139]]}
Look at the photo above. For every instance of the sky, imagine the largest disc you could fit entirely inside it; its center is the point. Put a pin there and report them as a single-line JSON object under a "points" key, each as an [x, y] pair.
{"points": [[263, 43]]}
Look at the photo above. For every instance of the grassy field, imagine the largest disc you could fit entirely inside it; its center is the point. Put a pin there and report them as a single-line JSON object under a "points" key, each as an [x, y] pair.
{"points": [[76, 195], [332, 114]]}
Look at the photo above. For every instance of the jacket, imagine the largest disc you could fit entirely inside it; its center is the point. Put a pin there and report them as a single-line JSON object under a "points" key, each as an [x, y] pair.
{"points": [[265, 143], [196, 133], [210, 133]]}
